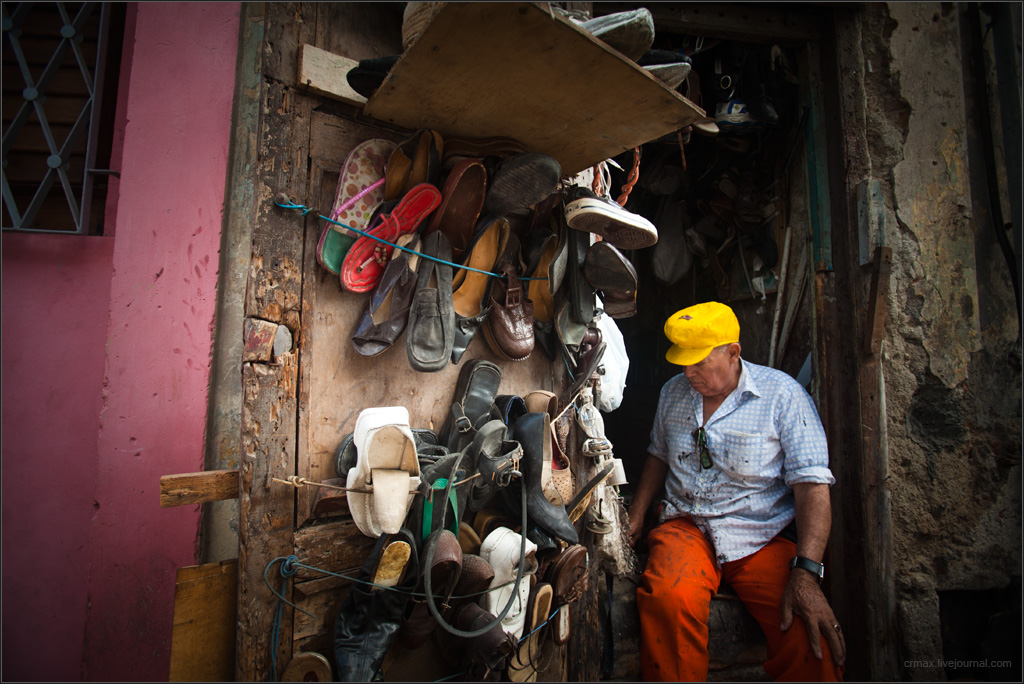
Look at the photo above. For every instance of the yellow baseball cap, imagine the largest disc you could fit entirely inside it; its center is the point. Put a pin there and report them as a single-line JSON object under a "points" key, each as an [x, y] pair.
{"points": [[698, 329]]}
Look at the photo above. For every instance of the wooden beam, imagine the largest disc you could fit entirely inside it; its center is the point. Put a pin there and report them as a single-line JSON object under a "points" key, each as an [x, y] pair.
{"points": [[326, 74], [879, 302], [184, 489], [203, 632], [266, 511]]}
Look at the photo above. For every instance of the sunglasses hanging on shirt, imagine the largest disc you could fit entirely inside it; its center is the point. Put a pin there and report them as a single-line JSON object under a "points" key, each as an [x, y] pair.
{"points": [[700, 435]]}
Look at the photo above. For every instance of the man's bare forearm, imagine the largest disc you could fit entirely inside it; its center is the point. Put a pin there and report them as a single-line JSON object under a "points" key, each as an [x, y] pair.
{"points": [[813, 519]]}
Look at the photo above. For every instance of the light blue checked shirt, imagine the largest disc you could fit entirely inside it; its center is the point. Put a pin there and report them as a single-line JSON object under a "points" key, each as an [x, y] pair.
{"points": [[764, 438]]}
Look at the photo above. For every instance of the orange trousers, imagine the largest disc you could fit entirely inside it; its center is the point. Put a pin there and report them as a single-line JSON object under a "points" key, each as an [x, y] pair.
{"points": [[674, 601]]}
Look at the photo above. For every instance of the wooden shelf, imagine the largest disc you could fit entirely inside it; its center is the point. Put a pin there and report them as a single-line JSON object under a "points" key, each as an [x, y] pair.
{"points": [[514, 69]]}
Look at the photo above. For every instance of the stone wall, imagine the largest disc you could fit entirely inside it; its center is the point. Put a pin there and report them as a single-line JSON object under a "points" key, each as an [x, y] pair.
{"points": [[951, 353]]}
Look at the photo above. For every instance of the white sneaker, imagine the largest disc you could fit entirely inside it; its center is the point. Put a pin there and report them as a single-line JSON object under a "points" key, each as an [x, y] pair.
{"points": [[501, 549], [623, 229]]}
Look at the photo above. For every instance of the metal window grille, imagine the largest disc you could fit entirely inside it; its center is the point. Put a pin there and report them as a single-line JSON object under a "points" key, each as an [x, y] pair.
{"points": [[57, 53]]}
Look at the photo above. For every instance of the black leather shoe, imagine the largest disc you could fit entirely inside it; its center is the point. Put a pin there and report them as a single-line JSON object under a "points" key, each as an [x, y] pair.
{"points": [[474, 394], [494, 460], [510, 408], [368, 618], [431, 315], [533, 433]]}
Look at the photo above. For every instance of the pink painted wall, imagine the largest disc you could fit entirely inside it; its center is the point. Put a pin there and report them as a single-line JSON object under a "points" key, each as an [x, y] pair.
{"points": [[106, 360]]}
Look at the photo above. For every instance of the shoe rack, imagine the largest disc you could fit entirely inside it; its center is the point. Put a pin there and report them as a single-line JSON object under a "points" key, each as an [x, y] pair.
{"points": [[519, 70]]}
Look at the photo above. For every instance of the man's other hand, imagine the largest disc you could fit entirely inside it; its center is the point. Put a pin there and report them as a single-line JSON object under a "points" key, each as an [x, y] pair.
{"points": [[804, 597]]}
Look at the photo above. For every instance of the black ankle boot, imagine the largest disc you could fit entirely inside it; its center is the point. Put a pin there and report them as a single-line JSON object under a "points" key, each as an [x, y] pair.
{"points": [[493, 459], [532, 433], [369, 617]]}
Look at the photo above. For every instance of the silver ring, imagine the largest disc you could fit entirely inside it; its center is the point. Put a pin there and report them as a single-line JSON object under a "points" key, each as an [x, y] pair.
{"points": [[835, 627]]}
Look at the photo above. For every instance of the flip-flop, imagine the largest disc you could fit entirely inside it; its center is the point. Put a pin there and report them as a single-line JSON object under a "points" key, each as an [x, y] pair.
{"points": [[360, 191], [522, 666], [365, 262]]}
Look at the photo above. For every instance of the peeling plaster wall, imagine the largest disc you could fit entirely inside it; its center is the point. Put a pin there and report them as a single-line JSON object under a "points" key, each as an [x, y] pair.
{"points": [[953, 387]]}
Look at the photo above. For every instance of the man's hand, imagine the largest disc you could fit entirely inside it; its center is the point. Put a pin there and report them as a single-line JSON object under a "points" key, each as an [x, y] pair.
{"points": [[652, 479], [803, 597], [636, 523]]}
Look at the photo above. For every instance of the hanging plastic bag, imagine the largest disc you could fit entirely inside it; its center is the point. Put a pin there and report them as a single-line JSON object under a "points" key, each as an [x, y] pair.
{"points": [[615, 362]]}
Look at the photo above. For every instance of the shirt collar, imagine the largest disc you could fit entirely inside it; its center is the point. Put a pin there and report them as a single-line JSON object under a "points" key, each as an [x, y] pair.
{"points": [[746, 384]]}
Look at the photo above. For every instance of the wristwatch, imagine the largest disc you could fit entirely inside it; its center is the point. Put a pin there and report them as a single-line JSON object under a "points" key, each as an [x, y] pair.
{"points": [[808, 565]]}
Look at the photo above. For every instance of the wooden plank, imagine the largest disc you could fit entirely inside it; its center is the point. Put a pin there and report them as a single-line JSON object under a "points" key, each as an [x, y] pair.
{"points": [[266, 510], [515, 69], [326, 74], [878, 302], [337, 547], [195, 488], [203, 632]]}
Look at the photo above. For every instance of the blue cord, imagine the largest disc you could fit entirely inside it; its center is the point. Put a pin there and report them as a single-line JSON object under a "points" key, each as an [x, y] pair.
{"points": [[404, 249], [288, 571]]}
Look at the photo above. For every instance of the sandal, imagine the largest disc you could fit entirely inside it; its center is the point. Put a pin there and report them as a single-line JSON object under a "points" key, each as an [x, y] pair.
{"points": [[364, 264]]}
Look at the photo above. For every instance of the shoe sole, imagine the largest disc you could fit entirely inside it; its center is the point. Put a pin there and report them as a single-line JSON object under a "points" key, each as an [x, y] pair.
{"points": [[392, 564], [523, 182], [598, 217]]}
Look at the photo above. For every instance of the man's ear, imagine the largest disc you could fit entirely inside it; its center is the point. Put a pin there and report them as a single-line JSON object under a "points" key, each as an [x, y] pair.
{"points": [[734, 351]]}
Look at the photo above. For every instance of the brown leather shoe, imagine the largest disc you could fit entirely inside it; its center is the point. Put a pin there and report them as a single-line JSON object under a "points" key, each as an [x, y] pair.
{"points": [[509, 325], [462, 198]]}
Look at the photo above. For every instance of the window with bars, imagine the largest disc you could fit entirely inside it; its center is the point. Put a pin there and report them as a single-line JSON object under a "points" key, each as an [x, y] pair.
{"points": [[60, 71]]}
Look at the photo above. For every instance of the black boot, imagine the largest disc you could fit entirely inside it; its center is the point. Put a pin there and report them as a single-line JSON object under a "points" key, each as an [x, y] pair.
{"points": [[533, 434], [369, 617]]}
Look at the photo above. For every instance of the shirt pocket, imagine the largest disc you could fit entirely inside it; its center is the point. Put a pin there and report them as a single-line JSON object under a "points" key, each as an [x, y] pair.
{"points": [[747, 455]]}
